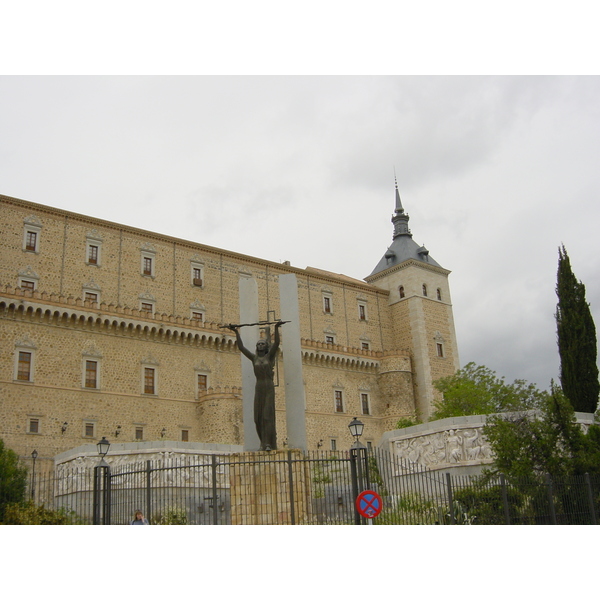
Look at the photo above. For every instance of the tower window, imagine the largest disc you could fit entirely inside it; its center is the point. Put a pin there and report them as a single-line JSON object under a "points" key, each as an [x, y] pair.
{"points": [[424, 290], [34, 426], [202, 382], [327, 304], [401, 291], [339, 401], [185, 435], [91, 374], [24, 366], [440, 350], [364, 402], [139, 433], [439, 294], [149, 380]]}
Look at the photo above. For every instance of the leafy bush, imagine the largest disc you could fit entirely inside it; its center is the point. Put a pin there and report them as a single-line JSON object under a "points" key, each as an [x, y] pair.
{"points": [[28, 513], [406, 422], [13, 479], [172, 516]]}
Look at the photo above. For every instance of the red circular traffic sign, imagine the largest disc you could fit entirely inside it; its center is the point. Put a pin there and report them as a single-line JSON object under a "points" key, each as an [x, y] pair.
{"points": [[369, 504]]}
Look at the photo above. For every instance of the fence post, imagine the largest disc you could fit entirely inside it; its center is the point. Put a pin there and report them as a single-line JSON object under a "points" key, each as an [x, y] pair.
{"points": [[96, 498], [551, 499], [107, 496], [354, 475], [291, 479], [450, 500], [149, 489], [215, 500], [504, 499], [590, 495]]}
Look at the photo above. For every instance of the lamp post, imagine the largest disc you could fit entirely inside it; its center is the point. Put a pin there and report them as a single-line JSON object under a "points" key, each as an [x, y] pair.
{"points": [[34, 456], [359, 465], [102, 485]]}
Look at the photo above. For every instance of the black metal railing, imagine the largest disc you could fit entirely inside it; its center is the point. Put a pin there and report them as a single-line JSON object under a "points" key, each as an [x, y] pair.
{"points": [[292, 487]]}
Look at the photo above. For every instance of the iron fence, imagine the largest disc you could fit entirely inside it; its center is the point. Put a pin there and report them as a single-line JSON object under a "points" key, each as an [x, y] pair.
{"points": [[292, 487]]}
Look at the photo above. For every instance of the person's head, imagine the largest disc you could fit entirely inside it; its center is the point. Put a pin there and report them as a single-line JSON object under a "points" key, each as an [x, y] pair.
{"points": [[139, 515], [262, 347]]}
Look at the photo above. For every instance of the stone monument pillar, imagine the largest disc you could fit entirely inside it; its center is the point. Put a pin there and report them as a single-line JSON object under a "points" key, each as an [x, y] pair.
{"points": [[292, 363], [249, 314]]}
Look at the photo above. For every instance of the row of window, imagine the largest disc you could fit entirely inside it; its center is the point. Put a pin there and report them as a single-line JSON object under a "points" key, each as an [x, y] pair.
{"points": [[24, 369], [424, 290], [34, 425], [328, 306], [91, 380], [340, 403], [93, 252]]}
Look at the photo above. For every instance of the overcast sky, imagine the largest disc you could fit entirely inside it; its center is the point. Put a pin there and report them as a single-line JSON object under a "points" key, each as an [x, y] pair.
{"points": [[495, 173]]}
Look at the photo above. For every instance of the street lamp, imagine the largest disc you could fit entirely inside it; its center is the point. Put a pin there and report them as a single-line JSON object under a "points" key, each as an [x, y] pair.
{"points": [[359, 464], [356, 428], [103, 445], [34, 455], [101, 498]]}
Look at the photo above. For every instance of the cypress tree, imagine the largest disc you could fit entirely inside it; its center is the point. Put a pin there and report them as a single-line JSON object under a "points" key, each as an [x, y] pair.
{"points": [[576, 339]]}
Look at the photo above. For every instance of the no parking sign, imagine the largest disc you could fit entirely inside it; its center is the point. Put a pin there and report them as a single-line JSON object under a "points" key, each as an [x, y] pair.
{"points": [[369, 504]]}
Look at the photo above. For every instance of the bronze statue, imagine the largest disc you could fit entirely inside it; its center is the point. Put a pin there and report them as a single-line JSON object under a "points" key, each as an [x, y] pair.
{"points": [[264, 392]]}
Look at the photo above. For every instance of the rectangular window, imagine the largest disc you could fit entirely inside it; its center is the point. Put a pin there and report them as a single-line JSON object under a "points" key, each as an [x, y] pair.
{"points": [[364, 401], [91, 374], [24, 366], [89, 430], [185, 435], [334, 444], [149, 380], [365, 345], [139, 433], [339, 401], [31, 241], [197, 276], [34, 426], [202, 382], [197, 316], [27, 285], [440, 350], [362, 312], [147, 265], [93, 255], [147, 306], [327, 304], [91, 296], [329, 339]]}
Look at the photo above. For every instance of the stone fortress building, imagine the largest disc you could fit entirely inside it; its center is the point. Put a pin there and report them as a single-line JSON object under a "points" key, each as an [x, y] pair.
{"points": [[108, 330]]}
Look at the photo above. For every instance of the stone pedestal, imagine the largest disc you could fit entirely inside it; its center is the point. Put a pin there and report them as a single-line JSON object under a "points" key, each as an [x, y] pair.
{"points": [[269, 488]]}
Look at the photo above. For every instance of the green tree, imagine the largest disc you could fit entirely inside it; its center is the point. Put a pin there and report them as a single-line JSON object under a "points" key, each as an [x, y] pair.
{"points": [[547, 441], [576, 339], [13, 478], [477, 390]]}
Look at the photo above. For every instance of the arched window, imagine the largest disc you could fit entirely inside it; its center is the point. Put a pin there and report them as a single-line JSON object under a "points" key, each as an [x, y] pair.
{"points": [[439, 294], [424, 290], [401, 290]]}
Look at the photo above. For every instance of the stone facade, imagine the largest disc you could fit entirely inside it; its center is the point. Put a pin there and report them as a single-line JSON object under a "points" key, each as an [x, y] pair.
{"points": [[108, 330]]}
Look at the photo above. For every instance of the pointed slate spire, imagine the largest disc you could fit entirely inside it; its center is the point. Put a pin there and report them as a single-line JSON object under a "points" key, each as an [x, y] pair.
{"points": [[403, 247], [400, 218]]}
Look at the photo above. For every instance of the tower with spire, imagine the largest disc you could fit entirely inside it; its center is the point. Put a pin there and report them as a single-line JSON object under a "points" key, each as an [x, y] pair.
{"points": [[420, 308]]}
